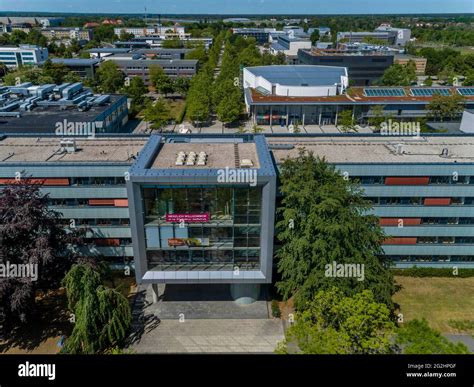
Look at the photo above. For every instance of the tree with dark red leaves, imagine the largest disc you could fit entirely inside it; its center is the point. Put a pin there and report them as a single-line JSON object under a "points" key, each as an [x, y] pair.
{"points": [[31, 234]]}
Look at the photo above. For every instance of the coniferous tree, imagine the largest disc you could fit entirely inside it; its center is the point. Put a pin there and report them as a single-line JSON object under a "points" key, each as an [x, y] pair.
{"points": [[324, 219]]}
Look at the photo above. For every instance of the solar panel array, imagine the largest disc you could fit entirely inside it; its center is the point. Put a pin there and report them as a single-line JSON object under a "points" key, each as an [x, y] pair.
{"points": [[466, 91], [385, 92], [428, 92]]}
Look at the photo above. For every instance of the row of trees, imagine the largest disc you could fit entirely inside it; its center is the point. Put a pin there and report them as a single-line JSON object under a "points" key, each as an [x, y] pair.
{"points": [[324, 218], [221, 93]]}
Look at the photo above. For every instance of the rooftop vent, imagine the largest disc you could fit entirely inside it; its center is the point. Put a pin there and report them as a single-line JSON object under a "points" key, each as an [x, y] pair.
{"points": [[68, 145], [246, 163], [444, 152]]}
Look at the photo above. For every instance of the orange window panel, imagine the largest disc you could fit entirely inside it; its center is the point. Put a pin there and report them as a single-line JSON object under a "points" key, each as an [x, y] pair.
{"points": [[395, 221], [121, 202], [101, 202], [400, 241], [107, 242], [407, 180], [47, 182], [437, 201]]}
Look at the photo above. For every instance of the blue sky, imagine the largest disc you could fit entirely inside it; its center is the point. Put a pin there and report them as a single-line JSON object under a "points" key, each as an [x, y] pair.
{"points": [[242, 6]]}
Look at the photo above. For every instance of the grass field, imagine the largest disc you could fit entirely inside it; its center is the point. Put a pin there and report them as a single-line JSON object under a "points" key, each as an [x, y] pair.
{"points": [[438, 300]]}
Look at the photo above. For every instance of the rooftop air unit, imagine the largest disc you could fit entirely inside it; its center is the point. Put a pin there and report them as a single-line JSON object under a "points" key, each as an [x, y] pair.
{"points": [[68, 145]]}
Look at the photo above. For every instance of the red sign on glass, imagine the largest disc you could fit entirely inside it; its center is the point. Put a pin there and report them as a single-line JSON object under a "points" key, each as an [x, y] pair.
{"points": [[188, 218]]}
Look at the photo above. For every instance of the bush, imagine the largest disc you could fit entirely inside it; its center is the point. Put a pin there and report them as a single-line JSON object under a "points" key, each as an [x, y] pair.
{"points": [[276, 312], [433, 272]]}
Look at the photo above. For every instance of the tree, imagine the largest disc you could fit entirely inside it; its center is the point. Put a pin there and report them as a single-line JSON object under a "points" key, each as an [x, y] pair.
{"points": [[346, 121], [102, 315], [162, 82], [417, 338], [198, 101], [314, 37], [377, 118], [229, 107], [399, 75], [109, 78], [445, 106], [136, 90], [157, 113], [323, 219], [333, 323], [31, 234], [181, 85]]}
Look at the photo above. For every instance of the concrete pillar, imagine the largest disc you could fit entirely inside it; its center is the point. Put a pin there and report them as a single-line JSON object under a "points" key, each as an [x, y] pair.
{"points": [[287, 115], [271, 117], [245, 294], [337, 110], [155, 293], [302, 116]]}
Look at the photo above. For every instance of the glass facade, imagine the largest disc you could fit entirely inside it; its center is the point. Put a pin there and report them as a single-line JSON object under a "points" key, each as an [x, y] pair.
{"points": [[202, 227]]}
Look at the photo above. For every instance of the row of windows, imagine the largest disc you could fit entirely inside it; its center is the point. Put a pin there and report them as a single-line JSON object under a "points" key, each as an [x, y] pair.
{"points": [[434, 258], [216, 257], [75, 181], [445, 240], [452, 179], [384, 201], [101, 222]]}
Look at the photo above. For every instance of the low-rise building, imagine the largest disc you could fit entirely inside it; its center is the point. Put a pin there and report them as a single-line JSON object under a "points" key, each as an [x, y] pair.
{"points": [[420, 63], [141, 67], [60, 109], [13, 56], [67, 33], [289, 47], [364, 67]]}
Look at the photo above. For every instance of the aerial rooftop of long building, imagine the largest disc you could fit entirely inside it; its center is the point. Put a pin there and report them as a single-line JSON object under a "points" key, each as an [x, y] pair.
{"points": [[221, 152], [380, 149], [57, 149]]}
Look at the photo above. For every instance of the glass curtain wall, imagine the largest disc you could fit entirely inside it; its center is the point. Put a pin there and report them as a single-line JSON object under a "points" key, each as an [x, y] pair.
{"points": [[227, 236]]}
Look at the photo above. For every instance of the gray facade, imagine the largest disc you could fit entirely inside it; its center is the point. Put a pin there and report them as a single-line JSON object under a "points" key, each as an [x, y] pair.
{"points": [[219, 262]]}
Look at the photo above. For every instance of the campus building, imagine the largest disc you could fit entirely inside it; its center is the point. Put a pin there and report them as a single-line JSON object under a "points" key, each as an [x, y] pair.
{"points": [[68, 33], [290, 46], [187, 218], [137, 67], [363, 66], [301, 102], [420, 187], [83, 67], [202, 211], [13, 56], [85, 180], [28, 108]]}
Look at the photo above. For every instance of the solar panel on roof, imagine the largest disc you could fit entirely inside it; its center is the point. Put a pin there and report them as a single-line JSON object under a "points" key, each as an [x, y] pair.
{"points": [[384, 92], [428, 92], [466, 91]]}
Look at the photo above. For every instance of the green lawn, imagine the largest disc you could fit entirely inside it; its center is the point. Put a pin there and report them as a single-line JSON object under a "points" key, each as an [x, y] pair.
{"points": [[438, 300]]}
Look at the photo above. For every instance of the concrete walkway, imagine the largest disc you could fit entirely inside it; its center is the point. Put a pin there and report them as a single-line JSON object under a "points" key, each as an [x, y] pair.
{"points": [[201, 319], [212, 336]]}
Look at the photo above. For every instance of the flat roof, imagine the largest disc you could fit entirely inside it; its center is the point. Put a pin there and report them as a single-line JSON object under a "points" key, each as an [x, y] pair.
{"points": [[219, 155], [47, 150], [298, 75], [43, 119], [76, 61], [354, 95], [381, 149]]}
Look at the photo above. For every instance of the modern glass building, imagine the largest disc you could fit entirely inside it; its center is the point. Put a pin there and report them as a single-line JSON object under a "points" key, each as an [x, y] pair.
{"points": [[202, 211]]}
